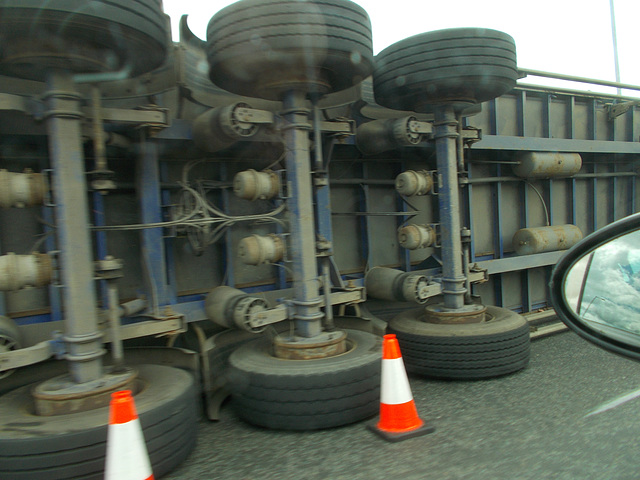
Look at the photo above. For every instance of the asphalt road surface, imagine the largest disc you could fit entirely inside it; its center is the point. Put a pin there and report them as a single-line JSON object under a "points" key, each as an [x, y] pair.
{"points": [[530, 425]]}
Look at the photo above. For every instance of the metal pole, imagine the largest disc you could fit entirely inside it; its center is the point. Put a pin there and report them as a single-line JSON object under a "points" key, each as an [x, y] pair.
{"points": [[317, 140], [459, 144], [326, 282], [63, 119], [572, 78], [614, 33], [114, 326], [100, 152], [446, 136], [466, 247], [300, 204]]}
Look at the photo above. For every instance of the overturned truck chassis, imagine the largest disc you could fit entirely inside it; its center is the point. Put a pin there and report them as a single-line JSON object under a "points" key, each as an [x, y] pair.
{"points": [[243, 216]]}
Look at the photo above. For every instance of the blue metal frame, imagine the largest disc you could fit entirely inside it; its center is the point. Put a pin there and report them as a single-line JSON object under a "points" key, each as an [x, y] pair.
{"points": [[157, 251], [540, 144], [492, 141], [153, 252], [165, 198], [323, 196]]}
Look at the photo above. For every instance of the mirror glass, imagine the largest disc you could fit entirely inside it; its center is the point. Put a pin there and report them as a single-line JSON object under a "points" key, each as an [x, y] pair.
{"points": [[603, 289]]}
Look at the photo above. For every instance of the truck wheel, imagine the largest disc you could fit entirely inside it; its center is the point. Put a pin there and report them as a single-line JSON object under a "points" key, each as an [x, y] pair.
{"points": [[81, 36], [494, 347], [262, 48], [74, 445], [10, 339], [306, 394], [461, 65]]}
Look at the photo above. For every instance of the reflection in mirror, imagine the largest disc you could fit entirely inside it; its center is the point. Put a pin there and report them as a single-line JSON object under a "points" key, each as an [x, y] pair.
{"points": [[603, 289]]}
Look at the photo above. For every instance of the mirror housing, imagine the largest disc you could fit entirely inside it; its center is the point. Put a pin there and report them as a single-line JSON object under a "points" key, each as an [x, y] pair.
{"points": [[627, 343]]}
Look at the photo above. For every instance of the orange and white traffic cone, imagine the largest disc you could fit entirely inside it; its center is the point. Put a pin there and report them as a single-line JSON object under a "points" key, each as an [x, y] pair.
{"points": [[399, 418], [127, 457]]}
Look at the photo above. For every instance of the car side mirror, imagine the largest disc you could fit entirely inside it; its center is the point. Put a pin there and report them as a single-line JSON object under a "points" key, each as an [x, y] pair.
{"points": [[595, 287]]}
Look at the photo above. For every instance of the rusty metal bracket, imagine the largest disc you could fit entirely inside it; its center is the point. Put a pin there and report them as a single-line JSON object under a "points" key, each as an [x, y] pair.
{"points": [[471, 135], [477, 274], [252, 115], [286, 310], [340, 127], [268, 317], [614, 110], [417, 126], [152, 117]]}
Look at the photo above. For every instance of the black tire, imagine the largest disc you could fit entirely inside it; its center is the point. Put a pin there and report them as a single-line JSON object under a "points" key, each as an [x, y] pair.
{"points": [[81, 36], [216, 388], [74, 445], [262, 48], [307, 394], [459, 66], [10, 339], [495, 347]]}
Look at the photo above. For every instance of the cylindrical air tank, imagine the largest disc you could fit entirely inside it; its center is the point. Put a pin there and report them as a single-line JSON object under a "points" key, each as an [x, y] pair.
{"points": [[547, 164], [22, 189], [259, 249], [20, 271], [413, 237], [413, 182], [253, 185], [527, 241]]}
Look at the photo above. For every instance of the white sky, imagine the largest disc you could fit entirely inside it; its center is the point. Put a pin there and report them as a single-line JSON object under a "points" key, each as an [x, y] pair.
{"points": [[571, 37]]}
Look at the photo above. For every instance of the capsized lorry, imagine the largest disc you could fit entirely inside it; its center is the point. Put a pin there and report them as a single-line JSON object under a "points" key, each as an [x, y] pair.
{"points": [[245, 216]]}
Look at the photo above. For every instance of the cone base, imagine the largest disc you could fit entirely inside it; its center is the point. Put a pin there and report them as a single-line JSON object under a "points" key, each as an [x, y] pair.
{"points": [[399, 436]]}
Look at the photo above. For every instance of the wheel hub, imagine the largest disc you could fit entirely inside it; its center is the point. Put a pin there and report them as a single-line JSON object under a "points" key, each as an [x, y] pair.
{"points": [[315, 83], [62, 395], [438, 313], [327, 344]]}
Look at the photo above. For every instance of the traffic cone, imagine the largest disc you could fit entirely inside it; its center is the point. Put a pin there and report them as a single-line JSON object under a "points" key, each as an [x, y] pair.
{"points": [[127, 457], [399, 418]]}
